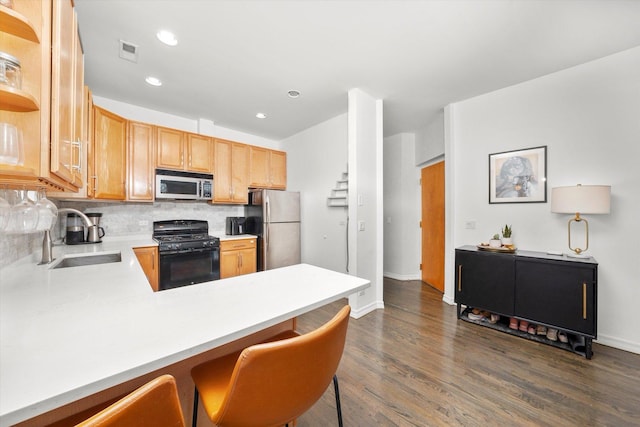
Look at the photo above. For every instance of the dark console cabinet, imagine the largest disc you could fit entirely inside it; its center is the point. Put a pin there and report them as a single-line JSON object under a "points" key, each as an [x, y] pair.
{"points": [[555, 291]]}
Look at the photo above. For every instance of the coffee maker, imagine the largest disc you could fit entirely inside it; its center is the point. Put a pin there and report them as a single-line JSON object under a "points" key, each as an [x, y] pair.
{"points": [[77, 232]]}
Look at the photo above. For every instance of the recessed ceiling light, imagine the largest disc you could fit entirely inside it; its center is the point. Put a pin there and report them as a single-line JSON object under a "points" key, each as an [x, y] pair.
{"points": [[293, 93], [153, 81], [167, 37], [261, 115]]}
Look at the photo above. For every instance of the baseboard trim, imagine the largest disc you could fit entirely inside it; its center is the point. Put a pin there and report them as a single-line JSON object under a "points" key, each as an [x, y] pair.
{"points": [[356, 314], [619, 343], [415, 276]]}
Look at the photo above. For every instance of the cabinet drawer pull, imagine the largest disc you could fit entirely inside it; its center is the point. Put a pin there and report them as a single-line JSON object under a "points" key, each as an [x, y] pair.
{"points": [[460, 278], [584, 300]]}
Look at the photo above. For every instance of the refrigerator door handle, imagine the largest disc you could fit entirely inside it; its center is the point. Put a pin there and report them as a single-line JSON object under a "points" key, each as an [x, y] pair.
{"points": [[268, 222]]}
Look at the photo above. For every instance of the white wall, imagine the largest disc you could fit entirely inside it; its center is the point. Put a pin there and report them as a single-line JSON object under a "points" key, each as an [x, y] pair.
{"points": [[316, 159], [402, 208], [589, 118], [430, 141], [366, 199], [202, 126]]}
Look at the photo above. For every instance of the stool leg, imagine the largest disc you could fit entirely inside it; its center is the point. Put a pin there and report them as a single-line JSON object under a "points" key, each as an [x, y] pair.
{"points": [[337, 392], [196, 397]]}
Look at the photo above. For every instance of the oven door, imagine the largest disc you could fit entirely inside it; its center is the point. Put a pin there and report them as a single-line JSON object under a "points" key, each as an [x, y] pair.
{"points": [[189, 267]]}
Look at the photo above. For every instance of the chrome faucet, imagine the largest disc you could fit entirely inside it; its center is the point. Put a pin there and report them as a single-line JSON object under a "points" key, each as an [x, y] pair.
{"points": [[47, 243]]}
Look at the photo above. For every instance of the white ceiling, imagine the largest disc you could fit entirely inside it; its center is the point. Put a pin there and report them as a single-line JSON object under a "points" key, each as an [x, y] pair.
{"points": [[236, 58]]}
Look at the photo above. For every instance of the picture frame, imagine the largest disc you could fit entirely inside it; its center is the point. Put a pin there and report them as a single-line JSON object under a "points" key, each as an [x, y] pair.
{"points": [[518, 176]]}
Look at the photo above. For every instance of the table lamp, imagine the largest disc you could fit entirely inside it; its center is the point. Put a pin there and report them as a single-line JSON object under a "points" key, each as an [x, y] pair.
{"points": [[581, 199]]}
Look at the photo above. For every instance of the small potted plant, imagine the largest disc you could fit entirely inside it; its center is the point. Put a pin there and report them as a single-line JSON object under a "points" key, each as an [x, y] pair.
{"points": [[495, 241], [506, 236]]}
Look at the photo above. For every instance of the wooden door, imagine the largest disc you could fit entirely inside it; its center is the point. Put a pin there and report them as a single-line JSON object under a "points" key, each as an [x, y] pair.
{"points": [[200, 152], [62, 89], [170, 148], [110, 155], [433, 225], [228, 264], [259, 169], [148, 259], [222, 171], [140, 162], [240, 173], [278, 166]]}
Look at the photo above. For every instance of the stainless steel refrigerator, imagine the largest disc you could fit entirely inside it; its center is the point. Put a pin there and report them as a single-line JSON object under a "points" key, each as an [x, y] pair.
{"points": [[274, 216]]}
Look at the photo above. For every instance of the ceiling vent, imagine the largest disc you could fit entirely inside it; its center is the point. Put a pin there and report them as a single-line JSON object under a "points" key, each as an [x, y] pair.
{"points": [[128, 51]]}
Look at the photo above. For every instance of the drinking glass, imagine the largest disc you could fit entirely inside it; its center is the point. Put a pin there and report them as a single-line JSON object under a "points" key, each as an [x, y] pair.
{"points": [[47, 211], [24, 215], [5, 212], [11, 151]]}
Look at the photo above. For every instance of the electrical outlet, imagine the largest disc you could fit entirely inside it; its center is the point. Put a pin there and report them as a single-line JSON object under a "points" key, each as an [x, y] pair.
{"points": [[361, 293], [143, 222], [470, 225]]}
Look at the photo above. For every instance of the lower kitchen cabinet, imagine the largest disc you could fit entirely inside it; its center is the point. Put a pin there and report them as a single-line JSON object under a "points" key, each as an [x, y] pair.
{"points": [[148, 259], [556, 292], [237, 257]]}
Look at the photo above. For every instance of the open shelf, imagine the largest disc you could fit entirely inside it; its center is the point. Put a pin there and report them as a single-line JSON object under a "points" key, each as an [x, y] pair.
{"points": [[14, 23], [12, 99], [575, 345]]}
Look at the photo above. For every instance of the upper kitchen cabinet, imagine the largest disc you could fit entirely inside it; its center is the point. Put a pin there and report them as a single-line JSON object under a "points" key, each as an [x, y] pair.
{"points": [[184, 151], [170, 148], [108, 171], [24, 34], [140, 161], [268, 168], [67, 100], [199, 153], [231, 172]]}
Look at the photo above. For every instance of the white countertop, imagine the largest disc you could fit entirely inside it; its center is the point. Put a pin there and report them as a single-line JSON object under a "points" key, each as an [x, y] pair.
{"points": [[235, 237], [71, 332]]}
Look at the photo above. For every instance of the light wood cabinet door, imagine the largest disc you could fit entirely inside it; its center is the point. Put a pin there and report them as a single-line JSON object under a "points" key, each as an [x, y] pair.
{"points": [[278, 169], [109, 155], [239, 173], [222, 171], [259, 167], [237, 257], [148, 259], [140, 161], [268, 168], [27, 38], [170, 148], [199, 153], [62, 89]]}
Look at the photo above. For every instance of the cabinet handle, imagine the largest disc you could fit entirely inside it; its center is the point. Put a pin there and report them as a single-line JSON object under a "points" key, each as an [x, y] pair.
{"points": [[584, 300], [460, 278], [241, 263], [77, 144], [95, 184]]}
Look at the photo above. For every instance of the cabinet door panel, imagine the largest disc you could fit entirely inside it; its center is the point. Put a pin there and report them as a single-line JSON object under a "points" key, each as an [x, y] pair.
{"points": [[62, 93], [259, 170], [240, 173], [140, 162], [485, 280], [109, 155], [278, 162], [222, 172], [170, 148], [200, 152], [228, 264], [561, 295]]}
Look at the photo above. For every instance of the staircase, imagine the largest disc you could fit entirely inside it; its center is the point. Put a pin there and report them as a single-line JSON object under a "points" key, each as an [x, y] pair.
{"points": [[339, 195]]}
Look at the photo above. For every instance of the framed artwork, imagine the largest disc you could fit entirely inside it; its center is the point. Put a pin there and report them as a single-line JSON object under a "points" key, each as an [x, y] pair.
{"points": [[518, 176]]}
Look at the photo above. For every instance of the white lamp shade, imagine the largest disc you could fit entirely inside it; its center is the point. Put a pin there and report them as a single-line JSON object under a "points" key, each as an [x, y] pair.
{"points": [[583, 199]]}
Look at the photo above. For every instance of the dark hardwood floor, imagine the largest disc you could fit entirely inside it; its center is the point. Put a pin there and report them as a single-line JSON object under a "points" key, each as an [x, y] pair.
{"points": [[415, 364]]}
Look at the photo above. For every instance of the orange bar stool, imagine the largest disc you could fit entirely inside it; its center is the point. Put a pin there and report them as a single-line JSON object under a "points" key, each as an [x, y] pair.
{"points": [[155, 404], [272, 383]]}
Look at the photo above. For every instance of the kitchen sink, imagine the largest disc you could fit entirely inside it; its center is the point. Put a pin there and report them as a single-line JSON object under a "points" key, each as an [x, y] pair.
{"points": [[77, 261]]}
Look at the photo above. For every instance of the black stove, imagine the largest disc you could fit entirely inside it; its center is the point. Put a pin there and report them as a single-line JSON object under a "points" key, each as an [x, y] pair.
{"points": [[183, 235], [188, 254]]}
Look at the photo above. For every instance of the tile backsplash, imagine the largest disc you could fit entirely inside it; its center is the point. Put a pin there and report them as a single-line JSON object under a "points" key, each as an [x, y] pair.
{"points": [[121, 219]]}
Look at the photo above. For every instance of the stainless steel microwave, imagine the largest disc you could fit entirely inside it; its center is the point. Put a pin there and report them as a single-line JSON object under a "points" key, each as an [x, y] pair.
{"points": [[179, 185]]}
